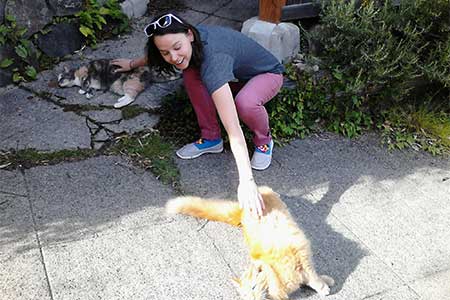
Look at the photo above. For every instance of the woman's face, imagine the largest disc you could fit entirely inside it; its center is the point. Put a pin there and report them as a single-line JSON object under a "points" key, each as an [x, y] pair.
{"points": [[175, 48]]}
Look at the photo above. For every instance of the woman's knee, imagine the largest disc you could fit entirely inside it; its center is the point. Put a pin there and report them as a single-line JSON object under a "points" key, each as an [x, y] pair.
{"points": [[245, 104]]}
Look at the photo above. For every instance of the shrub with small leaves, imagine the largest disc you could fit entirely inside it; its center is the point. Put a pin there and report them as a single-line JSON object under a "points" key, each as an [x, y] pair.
{"points": [[386, 50]]}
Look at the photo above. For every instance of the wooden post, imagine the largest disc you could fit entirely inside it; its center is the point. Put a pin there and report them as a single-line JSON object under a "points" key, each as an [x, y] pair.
{"points": [[270, 10]]}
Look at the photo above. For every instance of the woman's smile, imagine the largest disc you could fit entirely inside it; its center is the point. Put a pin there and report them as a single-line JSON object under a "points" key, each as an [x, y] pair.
{"points": [[175, 48]]}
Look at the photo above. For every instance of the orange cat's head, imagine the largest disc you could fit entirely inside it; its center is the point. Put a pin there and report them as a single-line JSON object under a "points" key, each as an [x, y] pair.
{"points": [[252, 284]]}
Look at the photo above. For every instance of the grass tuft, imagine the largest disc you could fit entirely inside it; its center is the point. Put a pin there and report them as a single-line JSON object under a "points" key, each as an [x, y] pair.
{"points": [[149, 151]]}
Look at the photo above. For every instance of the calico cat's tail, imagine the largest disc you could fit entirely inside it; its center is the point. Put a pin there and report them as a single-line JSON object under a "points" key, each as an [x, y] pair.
{"points": [[214, 210]]}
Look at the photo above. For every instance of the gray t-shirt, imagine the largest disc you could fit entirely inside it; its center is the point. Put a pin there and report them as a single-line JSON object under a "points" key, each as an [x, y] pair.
{"points": [[230, 55]]}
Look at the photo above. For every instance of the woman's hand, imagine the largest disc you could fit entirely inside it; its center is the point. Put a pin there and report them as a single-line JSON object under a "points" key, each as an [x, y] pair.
{"points": [[124, 64], [250, 199]]}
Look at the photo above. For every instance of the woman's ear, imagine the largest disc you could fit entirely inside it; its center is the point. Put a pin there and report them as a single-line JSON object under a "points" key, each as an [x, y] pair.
{"points": [[190, 35]]}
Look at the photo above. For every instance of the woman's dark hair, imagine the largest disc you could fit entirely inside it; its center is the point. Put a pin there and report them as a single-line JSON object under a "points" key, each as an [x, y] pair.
{"points": [[155, 58]]}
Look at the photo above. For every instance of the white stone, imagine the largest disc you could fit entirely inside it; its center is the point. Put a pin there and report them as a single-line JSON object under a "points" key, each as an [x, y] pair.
{"points": [[127, 8], [134, 8], [282, 40]]}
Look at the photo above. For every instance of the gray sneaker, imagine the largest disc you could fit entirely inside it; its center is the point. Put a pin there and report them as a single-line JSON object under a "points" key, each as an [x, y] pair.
{"points": [[201, 146], [262, 157]]}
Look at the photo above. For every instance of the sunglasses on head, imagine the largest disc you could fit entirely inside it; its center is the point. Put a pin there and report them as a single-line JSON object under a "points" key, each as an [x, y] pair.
{"points": [[162, 22]]}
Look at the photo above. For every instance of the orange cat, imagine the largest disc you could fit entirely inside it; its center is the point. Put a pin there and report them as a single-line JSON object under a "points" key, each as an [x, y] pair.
{"points": [[279, 251]]}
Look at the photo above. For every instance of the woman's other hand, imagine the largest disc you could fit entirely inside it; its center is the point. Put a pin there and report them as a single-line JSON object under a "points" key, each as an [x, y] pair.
{"points": [[250, 199]]}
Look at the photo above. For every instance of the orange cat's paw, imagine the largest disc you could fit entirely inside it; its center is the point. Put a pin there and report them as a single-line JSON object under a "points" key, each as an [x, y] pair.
{"points": [[328, 280], [324, 289]]}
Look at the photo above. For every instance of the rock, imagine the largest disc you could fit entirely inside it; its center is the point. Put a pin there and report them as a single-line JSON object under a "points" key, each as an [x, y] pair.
{"points": [[282, 40], [134, 8], [63, 39], [6, 51], [5, 78], [2, 11], [33, 15], [65, 7]]}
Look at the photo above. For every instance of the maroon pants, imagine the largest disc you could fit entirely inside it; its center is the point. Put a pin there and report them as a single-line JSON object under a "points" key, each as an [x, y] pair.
{"points": [[250, 98]]}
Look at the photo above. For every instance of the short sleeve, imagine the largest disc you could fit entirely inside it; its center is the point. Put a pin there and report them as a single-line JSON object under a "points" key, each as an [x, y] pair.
{"points": [[216, 71]]}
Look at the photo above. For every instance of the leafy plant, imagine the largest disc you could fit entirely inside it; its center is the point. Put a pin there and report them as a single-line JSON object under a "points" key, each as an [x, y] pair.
{"points": [[23, 63], [388, 48], [94, 18], [287, 114], [378, 59], [178, 122]]}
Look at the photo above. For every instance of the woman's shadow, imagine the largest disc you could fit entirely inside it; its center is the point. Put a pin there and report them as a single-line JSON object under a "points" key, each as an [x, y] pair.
{"points": [[333, 254], [312, 176]]}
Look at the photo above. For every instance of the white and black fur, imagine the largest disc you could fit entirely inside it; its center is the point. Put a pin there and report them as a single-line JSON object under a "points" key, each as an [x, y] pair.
{"points": [[101, 75]]}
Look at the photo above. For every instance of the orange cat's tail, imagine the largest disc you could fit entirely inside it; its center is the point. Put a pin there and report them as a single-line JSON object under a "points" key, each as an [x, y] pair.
{"points": [[214, 210]]}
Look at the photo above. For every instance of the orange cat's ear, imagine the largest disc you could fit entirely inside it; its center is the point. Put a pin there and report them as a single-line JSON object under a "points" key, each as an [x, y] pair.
{"points": [[236, 282]]}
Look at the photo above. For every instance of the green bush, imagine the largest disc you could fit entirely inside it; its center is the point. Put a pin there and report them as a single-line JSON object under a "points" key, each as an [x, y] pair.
{"points": [[23, 64], [376, 56], [388, 45], [387, 48]]}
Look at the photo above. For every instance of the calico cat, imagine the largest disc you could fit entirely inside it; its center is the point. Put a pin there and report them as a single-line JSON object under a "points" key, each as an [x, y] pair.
{"points": [[280, 254], [101, 75]]}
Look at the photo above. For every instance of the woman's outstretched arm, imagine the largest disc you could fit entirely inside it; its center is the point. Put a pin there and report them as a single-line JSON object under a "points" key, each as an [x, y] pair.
{"points": [[248, 195]]}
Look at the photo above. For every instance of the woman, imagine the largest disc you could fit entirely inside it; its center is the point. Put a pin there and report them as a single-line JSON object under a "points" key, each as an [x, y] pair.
{"points": [[216, 61]]}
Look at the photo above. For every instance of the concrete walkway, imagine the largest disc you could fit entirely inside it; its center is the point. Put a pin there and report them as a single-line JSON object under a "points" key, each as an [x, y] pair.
{"points": [[95, 229]]}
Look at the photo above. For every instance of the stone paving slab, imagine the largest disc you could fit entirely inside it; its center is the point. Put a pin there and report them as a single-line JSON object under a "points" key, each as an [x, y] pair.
{"points": [[73, 201], [12, 184], [16, 227], [239, 10], [31, 122], [400, 212], [361, 206], [220, 167], [213, 20], [198, 17], [22, 277], [139, 123], [209, 7], [194, 17], [167, 261], [21, 272], [434, 286], [397, 293], [104, 116], [230, 243]]}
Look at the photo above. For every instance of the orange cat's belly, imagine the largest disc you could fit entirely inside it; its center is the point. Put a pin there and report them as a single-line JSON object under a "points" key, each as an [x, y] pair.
{"points": [[281, 244]]}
